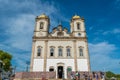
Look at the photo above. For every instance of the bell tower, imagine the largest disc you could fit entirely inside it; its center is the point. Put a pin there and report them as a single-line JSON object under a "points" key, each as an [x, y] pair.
{"points": [[41, 26], [77, 27]]}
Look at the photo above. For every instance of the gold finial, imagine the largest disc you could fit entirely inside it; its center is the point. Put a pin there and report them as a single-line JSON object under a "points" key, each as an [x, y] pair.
{"points": [[60, 23]]}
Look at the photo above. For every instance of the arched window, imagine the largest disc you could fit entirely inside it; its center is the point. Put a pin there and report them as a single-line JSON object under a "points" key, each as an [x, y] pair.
{"points": [[51, 51], [51, 68], [38, 51], [41, 25], [78, 26], [59, 51], [69, 69], [81, 51], [68, 52]]}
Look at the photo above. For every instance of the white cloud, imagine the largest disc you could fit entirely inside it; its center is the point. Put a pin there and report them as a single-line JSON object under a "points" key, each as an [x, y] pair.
{"points": [[100, 56], [19, 28], [106, 32], [4, 47], [100, 62], [20, 31], [113, 31], [116, 31], [101, 48], [90, 28]]}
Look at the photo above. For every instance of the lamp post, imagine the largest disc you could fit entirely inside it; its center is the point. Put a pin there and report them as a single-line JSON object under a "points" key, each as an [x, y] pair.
{"points": [[14, 69], [27, 64], [1, 66], [104, 76]]}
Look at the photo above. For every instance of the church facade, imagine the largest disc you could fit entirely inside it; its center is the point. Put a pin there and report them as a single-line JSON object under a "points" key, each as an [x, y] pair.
{"points": [[59, 51]]}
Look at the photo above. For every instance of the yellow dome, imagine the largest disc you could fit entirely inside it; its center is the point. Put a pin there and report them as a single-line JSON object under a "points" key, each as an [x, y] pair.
{"points": [[76, 17], [42, 16]]}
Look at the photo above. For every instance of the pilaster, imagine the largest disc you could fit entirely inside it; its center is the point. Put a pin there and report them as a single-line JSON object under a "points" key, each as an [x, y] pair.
{"points": [[45, 55], [75, 56], [88, 58], [32, 57]]}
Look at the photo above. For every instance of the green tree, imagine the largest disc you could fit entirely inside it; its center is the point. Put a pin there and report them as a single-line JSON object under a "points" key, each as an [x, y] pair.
{"points": [[6, 58], [110, 74], [117, 76]]}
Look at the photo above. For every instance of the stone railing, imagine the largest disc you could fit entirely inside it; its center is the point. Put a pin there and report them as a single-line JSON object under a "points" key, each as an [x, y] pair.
{"points": [[34, 75]]}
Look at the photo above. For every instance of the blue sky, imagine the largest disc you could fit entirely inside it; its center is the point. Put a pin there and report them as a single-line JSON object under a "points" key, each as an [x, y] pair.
{"points": [[17, 21]]}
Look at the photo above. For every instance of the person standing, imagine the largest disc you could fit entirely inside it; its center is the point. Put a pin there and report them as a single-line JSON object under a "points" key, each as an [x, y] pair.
{"points": [[96, 76], [72, 76], [62, 75], [76, 75]]}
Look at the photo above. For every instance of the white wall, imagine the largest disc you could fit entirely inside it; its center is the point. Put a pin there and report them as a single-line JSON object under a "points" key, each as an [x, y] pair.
{"points": [[38, 64], [67, 62], [82, 65]]}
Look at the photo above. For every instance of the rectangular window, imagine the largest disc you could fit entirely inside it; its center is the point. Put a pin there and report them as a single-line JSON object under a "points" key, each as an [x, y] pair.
{"points": [[78, 26], [52, 52], [60, 52], [81, 51], [39, 51], [41, 25], [68, 51]]}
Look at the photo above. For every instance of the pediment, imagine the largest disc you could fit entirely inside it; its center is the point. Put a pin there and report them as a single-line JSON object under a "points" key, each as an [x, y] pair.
{"points": [[59, 32]]}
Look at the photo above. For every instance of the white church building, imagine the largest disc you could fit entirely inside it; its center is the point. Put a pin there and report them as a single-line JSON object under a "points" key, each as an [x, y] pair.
{"points": [[59, 51]]}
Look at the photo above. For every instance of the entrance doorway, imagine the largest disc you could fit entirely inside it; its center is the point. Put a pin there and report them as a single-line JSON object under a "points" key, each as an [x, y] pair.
{"points": [[60, 71]]}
